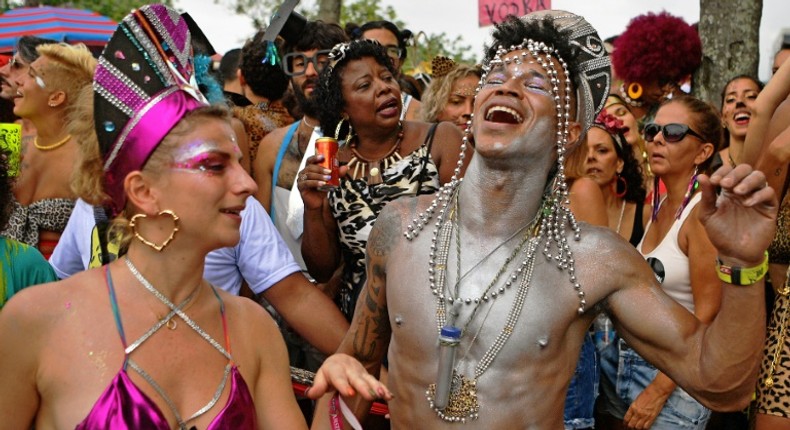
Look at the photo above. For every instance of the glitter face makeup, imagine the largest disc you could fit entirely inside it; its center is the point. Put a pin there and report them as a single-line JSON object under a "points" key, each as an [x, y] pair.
{"points": [[514, 68], [39, 81], [204, 157]]}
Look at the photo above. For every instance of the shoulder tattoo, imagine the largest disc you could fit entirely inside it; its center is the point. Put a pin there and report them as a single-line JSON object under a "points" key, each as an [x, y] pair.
{"points": [[385, 233]]}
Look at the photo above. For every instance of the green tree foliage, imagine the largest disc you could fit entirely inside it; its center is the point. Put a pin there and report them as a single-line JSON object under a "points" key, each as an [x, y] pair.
{"points": [[115, 9], [423, 48]]}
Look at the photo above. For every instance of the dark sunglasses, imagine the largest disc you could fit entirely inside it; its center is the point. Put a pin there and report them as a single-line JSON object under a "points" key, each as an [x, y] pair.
{"points": [[295, 63], [672, 132]]}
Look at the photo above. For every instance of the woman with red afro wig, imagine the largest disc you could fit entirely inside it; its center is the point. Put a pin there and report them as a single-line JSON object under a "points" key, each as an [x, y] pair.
{"points": [[652, 57]]}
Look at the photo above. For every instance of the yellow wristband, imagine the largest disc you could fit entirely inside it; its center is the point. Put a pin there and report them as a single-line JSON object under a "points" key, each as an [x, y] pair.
{"points": [[742, 275]]}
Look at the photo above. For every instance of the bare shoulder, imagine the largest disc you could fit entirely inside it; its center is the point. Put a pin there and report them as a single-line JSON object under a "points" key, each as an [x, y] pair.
{"points": [[585, 187], [40, 309], [392, 222], [274, 138], [608, 263], [247, 314], [270, 143]]}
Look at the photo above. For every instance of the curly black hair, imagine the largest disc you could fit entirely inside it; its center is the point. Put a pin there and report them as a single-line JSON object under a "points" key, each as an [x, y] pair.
{"points": [[6, 190], [635, 190], [329, 92], [316, 35], [265, 80], [513, 30]]}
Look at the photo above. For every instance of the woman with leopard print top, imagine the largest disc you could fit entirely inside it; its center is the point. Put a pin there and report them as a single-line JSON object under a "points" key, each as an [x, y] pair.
{"points": [[383, 159]]}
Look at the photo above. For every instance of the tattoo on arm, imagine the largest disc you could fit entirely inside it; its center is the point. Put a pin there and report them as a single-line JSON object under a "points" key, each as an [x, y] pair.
{"points": [[384, 235], [373, 329]]}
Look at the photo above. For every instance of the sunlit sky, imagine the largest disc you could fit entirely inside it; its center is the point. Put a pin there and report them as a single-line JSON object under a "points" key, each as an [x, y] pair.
{"points": [[227, 30]]}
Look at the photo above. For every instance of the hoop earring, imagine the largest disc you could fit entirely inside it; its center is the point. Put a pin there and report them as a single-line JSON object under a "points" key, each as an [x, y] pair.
{"points": [[634, 90], [350, 134], [157, 248], [337, 129], [620, 180]]}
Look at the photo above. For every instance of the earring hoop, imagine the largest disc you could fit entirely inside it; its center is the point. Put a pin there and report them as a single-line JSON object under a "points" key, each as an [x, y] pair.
{"points": [[337, 129], [635, 90], [620, 180], [157, 248]]}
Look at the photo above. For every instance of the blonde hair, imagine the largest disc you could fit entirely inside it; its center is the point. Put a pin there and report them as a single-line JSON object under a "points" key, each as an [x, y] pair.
{"points": [[70, 67], [436, 96]]}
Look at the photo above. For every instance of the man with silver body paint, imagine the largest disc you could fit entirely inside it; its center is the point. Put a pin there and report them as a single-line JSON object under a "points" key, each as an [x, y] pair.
{"points": [[522, 287]]}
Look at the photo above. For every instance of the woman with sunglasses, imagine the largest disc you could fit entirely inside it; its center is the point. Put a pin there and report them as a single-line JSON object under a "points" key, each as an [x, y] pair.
{"points": [[680, 143], [384, 158], [43, 199]]}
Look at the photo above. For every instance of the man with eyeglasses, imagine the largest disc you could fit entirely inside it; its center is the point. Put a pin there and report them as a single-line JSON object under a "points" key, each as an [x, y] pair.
{"points": [[283, 151]]}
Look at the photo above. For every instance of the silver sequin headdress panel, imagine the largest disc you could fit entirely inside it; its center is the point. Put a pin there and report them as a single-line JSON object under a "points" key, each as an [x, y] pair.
{"points": [[593, 63]]}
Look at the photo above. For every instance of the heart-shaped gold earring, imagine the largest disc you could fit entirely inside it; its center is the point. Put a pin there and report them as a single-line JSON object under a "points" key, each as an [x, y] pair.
{"points": [[158, 248]]}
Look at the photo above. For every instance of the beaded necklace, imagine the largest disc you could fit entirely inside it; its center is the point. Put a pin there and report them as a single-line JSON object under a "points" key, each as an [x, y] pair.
{"points": [[463, 404], [554, 220]]}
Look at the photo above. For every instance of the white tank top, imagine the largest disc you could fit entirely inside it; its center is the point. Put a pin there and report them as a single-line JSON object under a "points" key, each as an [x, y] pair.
{"points": [[669, 263]]}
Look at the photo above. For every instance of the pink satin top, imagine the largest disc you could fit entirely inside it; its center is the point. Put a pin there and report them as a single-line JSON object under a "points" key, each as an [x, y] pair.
{"points": [[123, 406]]}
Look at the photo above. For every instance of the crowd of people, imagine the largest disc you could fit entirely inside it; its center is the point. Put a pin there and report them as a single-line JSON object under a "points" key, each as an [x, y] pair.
{"points": [[558, 237]]}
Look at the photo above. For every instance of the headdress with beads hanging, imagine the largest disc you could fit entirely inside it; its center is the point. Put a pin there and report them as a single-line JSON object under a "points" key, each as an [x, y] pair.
{"points": [[592, 77], [144, 85]]}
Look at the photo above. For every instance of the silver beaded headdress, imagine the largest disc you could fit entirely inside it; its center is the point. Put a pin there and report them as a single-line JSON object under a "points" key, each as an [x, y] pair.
{"points": [[592, 79]]}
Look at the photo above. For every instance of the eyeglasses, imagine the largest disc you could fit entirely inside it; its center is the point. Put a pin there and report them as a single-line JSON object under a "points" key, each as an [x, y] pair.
{"points": [[393, 51], [672, 132], [295, 63]]}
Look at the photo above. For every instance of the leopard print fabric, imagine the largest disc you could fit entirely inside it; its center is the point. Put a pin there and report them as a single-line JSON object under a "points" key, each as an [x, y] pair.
{"points": [[779, 250], [46, 214], [355, 206], [775, 400], [259, 120]]}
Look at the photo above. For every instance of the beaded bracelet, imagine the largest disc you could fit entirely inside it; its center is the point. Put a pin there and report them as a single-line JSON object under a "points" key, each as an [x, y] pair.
{"points": [[742, 276]]}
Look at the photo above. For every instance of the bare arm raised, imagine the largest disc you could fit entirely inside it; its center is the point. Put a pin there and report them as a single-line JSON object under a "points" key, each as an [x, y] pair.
{"points": [[718, 362]]}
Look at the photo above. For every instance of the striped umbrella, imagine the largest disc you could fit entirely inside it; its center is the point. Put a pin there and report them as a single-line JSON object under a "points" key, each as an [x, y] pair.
{"points": [[61, 24]]}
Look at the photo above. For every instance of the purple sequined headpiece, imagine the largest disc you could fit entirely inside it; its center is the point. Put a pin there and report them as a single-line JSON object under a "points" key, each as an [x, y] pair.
{"points": [[144, 85]]}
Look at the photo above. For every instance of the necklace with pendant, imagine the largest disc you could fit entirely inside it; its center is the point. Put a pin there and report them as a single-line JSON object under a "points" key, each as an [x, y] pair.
{"points": [[372, 170], [463, 404]]}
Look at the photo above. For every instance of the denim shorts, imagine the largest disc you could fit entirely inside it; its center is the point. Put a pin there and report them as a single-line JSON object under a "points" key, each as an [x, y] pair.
{"points": [[580, 399], [624, 374]]}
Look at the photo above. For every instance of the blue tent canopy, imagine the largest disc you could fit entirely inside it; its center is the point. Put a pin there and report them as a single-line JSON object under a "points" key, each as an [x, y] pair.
{"points": [[61, 24]]}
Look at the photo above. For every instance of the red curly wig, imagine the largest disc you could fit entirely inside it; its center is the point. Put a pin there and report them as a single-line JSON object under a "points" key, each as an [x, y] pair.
{"points": [[655, 48]]}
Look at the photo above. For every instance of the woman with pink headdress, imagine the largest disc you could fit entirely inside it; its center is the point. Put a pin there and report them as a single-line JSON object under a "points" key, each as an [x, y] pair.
{"points": [[145, 342]]}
